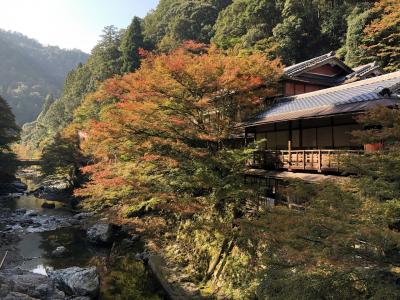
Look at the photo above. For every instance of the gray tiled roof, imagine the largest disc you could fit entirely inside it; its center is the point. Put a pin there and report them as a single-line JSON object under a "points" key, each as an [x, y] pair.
{"points": [[364, 70], [301, 67], [356, 96]]}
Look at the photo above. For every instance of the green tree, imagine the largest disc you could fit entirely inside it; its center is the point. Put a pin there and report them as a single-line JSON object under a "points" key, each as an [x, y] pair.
{"points": [[174, 21], [106, 55], [8, 128], [356, 23], [245, 22], [61, 157], [299, 34], [8, 134], [132, 41]]}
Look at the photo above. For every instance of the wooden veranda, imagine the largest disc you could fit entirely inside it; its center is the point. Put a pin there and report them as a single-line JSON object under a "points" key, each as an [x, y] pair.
{"points": [[305, 160]]}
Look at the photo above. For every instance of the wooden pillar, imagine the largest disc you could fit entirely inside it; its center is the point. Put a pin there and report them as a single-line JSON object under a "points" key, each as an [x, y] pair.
{"points": [[289, 155], [333, 133], [319, 160], [245, 137], [300, 134]]}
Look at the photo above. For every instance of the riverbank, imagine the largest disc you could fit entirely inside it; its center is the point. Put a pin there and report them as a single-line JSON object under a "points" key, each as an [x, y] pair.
{"points": [[48, 244]]}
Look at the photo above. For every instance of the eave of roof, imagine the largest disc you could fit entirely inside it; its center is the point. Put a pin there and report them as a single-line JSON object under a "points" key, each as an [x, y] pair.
{"points": [[362, 71], [347, 98], [326, 111], [299, 68]]}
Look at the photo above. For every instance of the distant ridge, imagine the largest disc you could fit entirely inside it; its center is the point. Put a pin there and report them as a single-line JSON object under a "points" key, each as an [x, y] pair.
{"points": [[30, 71]]}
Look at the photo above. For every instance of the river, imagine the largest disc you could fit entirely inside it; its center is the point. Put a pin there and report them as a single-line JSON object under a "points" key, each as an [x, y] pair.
{"points": [[122, 276]]}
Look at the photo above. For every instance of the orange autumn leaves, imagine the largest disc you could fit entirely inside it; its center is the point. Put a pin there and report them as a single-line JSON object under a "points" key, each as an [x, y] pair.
{"points": [[381, 40], [177, 107]]}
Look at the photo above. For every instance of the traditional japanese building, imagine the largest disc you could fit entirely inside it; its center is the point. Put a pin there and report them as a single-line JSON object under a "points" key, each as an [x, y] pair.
{"points": [[310, 127], [307, 126], [323, 72]]}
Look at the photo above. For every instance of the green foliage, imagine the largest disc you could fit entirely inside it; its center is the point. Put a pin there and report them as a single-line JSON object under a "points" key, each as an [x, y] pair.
{"points": [[8, 134], [132, 41], [141, 208], [30, 71], [196, 244], [309, 28], [246, 22], [357, 21], [331, 250], [373, 34], [8, 166], [61, 158], [8, 128], [128, 279], [175, 21], [294, 29]]}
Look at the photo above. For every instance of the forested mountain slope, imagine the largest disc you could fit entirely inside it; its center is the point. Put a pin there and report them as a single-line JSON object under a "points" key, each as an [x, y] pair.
{"points": [[104, 62], [295, 30], [30, 71]]}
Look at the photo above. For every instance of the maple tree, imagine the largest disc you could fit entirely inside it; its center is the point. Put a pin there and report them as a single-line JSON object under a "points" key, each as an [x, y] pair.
{"points": [[163, 131]]}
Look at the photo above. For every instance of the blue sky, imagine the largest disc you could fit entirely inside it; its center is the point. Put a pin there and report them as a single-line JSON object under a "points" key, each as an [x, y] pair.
{"points": [[69, 23]]}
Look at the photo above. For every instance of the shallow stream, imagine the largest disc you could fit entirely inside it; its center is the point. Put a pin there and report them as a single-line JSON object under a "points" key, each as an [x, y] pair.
{"points": [[122, 276]]}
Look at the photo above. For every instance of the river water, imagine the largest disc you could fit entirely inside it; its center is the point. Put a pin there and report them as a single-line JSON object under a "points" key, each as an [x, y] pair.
{"points": [[122, 276]]}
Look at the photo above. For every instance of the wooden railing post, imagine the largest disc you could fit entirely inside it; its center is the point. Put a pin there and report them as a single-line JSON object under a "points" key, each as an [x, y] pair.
{"points": [[319, 161], [290, 153]]}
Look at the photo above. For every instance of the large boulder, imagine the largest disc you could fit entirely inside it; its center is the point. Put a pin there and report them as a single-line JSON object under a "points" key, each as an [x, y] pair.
{"points": [[101, 233], [77, 281], [19, 284], [18, 296], [12, 187], [53, 189]]}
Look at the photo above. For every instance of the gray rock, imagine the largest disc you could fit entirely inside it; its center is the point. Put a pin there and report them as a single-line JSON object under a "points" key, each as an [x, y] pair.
{"points": [[131, 241], [59, 251], [18, 296], [31, 213], [135, 237], [100, 233], [20, 185], [48, 205], [77, 281], [20, 211], [18, 284], [144, 256], [83, 215], [127, 243], [74, 222], [42, 289]]}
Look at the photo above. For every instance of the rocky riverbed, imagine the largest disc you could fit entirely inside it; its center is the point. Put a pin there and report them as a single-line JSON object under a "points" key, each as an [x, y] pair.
{"points": [[49, 251]]}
